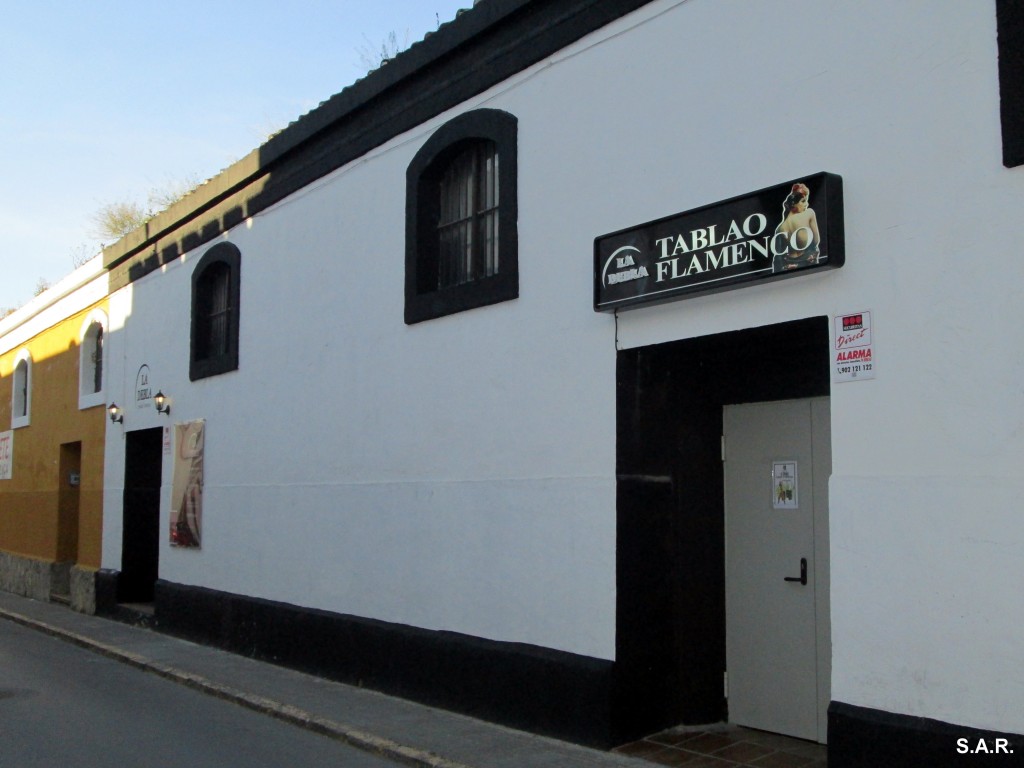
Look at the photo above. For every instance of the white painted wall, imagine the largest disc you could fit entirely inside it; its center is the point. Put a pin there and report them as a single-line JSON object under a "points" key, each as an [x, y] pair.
{"points": [[459, 474], [446, 475], [900, 99]]}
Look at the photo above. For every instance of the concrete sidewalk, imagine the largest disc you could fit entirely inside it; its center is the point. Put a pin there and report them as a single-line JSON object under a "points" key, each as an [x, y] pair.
{"points": [[401, 730]]}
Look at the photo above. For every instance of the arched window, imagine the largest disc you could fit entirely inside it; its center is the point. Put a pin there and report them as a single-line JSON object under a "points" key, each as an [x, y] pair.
{"points": [[92, 338], [461, 241], [21, 398], [215, 312]]}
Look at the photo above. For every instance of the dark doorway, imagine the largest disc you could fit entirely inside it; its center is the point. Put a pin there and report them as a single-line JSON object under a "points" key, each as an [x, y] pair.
{"points": [[69, 468], [670, 561], [140, 543]]}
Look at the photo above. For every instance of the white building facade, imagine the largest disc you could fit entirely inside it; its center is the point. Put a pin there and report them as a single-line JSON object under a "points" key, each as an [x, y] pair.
{"points": [[479, 492]]}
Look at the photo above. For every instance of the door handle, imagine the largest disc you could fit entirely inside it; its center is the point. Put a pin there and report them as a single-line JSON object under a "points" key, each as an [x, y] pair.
{"points": [[802, 578]]}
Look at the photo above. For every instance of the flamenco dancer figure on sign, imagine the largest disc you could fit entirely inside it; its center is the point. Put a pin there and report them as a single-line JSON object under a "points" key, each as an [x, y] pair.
{"points": [[799, 230]]}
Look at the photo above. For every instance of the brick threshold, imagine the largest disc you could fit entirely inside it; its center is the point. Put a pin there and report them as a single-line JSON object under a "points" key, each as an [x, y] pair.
{"points": [[726, 746]]}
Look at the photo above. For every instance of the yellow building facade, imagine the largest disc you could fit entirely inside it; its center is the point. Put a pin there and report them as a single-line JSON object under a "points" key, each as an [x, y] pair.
{"points": [[52, 431]]}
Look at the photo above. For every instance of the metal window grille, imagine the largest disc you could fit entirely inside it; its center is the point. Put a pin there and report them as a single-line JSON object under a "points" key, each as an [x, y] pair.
{"points": [[214, 312], [97, 360], [468, 221], [21, 389]]}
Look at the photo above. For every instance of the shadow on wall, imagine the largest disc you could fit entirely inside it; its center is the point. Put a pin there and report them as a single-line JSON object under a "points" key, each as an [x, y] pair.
{"points": [[51, 526]]}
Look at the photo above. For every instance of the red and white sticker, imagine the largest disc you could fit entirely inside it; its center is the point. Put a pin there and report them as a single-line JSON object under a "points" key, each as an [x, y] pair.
{"points": [[853, 356]]}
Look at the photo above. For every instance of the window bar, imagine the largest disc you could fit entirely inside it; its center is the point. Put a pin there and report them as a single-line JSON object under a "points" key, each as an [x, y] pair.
{"points": [[466, 271], [97, 355]]}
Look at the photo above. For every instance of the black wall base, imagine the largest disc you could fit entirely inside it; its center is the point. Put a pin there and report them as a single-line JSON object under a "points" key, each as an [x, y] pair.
{"points": [[106, 591], [523, 686], [859, 737], [107, 605]]}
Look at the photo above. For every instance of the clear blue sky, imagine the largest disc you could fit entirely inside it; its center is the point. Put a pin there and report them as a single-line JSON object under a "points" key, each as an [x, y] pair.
{"points": [[104, 101]]}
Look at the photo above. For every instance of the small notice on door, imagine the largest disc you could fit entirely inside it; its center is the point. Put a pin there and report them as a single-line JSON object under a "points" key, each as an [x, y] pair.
{"points": [[853, 355], [784, 485]]}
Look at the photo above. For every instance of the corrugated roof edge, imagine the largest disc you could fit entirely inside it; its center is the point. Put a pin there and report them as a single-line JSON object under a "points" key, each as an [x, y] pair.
{"points": [[467, 23], [480, 47]]}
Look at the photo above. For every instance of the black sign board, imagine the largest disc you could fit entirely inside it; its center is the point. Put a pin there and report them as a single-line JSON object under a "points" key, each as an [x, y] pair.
{"points": [[778, 232]]}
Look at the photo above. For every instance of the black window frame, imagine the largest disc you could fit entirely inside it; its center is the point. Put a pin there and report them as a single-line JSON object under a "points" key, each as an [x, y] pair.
{"points": [[1010, 25], [424, 300], [221, 256]]}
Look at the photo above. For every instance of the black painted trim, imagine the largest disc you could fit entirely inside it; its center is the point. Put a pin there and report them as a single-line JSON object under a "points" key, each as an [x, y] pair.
{"points": [[106, 591], [108, 606], [1010, 24], [523, 686], [482, 47], [859, 737], [423, 300], [228, 255]]}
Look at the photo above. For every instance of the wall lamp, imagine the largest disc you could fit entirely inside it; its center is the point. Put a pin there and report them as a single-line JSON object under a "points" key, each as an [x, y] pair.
{"points": [[162, 406], [116, 416]]}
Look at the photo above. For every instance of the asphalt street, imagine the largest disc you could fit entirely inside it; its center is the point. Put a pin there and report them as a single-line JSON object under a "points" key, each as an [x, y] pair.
{"points": [[384, 727], [61, 705]]}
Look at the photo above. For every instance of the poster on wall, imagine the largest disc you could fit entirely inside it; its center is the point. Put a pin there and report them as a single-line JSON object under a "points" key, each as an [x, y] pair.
{"points": [[782, 231], [187, 485], [6, 454], [852, 353], [784, 485]]}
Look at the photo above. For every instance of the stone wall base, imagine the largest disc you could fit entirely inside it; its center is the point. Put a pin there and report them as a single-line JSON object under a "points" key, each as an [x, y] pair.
{"points": [[26, 576], [44, 580], [83, 589]]}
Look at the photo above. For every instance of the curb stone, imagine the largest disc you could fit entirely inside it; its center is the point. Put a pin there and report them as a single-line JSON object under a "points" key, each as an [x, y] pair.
{"points": [[287, 713]]}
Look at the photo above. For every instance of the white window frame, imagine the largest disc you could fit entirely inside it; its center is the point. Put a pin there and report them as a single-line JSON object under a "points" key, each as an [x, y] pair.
{"points": [[86, 367], [21, 421]]}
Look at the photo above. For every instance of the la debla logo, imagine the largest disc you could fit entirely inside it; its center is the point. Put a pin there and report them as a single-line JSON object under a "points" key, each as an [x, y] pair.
{"points": [[624, 260]]}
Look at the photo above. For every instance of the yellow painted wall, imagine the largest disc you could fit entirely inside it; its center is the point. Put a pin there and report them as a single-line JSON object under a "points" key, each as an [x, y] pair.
{"points": [[29, 500]]}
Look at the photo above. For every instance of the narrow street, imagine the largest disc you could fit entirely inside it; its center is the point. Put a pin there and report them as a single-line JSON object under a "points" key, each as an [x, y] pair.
{"points": [[62, 705]]}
